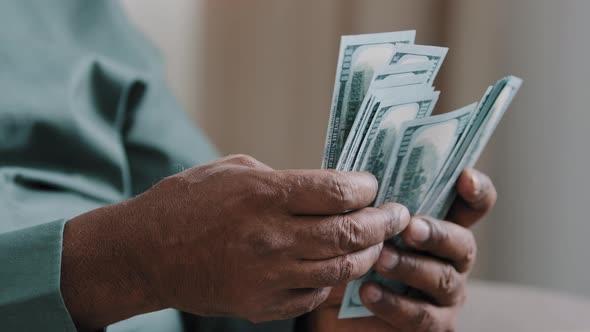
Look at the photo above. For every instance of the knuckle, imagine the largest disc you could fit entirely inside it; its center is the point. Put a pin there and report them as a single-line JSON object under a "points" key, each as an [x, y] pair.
{"points": [[394, 306], [423, 321], [342, 190], [346, 268], [448, 283], [394, 303], [261, 188], [470, 254], [439, 235], [330, 275], [272, 277], [283, 183], [409, 264], [349, 233], [317, 297], [265, 242]]}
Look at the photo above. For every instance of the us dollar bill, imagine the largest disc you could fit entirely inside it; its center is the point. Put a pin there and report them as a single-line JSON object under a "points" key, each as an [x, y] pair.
{"points": [[381, 122], [393, 75], [495, 103], [360, 56], [422, 147], [385, 128], [368, 112], [421, 53], [389, 78], [421, 152]]}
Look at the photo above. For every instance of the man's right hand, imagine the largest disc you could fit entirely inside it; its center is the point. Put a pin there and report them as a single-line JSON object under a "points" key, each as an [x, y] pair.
{"points": [[237, 238]]}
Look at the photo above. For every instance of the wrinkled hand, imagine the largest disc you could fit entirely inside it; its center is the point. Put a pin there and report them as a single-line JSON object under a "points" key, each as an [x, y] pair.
{"points": [[443, 254], [230, 238], [237, 238]]}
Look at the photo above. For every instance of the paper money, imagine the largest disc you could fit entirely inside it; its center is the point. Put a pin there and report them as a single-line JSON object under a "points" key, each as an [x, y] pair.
{"points": [[410, 65], [381, 123], [371, 107], [423, 145], [359, 57], [421, 151], [420, 53], [391, 77], [384, 129], [491, 110]]}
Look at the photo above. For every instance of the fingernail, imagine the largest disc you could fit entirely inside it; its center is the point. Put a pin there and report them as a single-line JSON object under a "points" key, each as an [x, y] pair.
{"points": [[372, 177], [387, 259], [373, 294], [404, 218], [419, 231], [476, 183]]}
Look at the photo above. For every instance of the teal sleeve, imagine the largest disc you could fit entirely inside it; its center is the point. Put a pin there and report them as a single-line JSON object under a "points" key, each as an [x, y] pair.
{"points": [[33, 211], [77, 85], [86, 120], [30, 299]]}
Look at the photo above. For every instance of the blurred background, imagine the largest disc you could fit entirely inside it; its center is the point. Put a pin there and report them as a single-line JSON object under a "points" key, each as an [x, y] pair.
{"points": [[257, 76]]}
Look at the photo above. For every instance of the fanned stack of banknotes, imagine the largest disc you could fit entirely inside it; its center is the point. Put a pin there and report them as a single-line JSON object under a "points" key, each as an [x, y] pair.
{"points": [[381, 123]]}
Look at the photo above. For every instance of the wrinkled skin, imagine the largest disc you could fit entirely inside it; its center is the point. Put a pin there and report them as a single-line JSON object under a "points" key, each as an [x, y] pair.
{"points": [[247, 241], [229, 238], [443, 254]]}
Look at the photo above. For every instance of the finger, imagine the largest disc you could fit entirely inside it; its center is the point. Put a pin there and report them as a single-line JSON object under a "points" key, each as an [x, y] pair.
{"points": [[477, 196], [243, 160], [326, 192], [326, 237], [334, 271], [439, 280], [442, 239], [404, 313]]}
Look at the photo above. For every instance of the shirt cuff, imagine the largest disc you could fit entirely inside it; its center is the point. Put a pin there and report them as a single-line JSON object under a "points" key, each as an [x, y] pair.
{"points": [[30, 267]]}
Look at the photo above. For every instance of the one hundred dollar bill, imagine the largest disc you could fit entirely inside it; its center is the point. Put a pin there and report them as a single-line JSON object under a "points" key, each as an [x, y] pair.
{"points": [[489, 113], [423, 146], [421, 53], [369, 111], [385, 129], [411, 75], [421, 152], [360, 56], [381, 122], [392, 76]]}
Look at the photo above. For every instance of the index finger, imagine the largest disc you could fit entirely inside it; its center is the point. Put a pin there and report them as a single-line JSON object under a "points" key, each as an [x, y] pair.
{"points": [[327, 192], [333, 236]]}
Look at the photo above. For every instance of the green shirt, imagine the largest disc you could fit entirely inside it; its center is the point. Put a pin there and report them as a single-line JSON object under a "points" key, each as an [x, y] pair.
{"points": [[85, 120]]}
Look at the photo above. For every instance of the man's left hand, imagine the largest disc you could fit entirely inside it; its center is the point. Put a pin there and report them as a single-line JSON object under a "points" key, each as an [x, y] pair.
{"points": [[440, 256]]}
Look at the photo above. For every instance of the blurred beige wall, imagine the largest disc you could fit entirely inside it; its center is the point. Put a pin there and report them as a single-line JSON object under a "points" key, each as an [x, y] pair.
{"points": [[257, 75], [271, 67]]}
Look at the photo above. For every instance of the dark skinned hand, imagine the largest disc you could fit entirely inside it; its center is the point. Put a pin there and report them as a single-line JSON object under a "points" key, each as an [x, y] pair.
{"points": [[441, 257]]}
